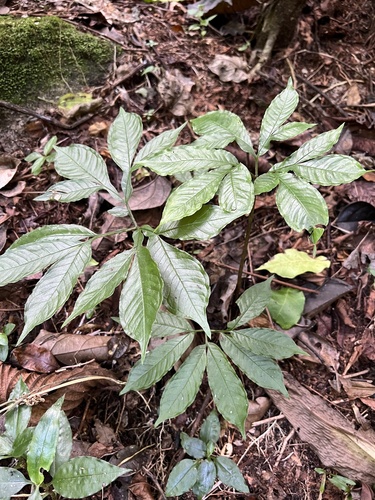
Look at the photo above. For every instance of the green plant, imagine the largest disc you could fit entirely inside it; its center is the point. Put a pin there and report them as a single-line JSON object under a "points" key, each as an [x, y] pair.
{"points": [[154, 273], [38, 159], [199, 474], [4, 342], [341, 482], [45, 449], [202, 23]]}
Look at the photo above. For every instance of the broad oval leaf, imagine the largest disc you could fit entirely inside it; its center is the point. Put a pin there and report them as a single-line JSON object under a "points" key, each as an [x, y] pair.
{"points": [[301, 205], [210, 430], [229, 474], [157, 363], [266, 342], [266, 182], [191, 195], [11, 482], [236, 192], [167, 324], [68, 191], [294, 262], [123, 138], [205, 478], [53, 290], [53, 232], [43, 444], [158, 144], [194, 447], [186, 284], [102, 284], [141, 298], [330, 170], [262, 370], [188, 158], [286, 306], [182, 478], [182, 389], [252, 303], [280, 109], [84, 476], [203, 225], [227, 390]]}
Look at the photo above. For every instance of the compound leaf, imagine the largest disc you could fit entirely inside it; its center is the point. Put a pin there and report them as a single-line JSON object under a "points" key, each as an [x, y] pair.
{"points": [[262, 370], [236, 192], [186, 284], [83, 476], [182, 389], [194, 447], [103, 283], [293, 262], [157, 363], [301, 205], [286, 306], [53, 290], [68, 191], [123, 138], [182, 478], [229, 474], [167, 324], [158, 144], [11, 482], [227, 390], [191, 195], [141, 298], [205, 478], [266, 342]]}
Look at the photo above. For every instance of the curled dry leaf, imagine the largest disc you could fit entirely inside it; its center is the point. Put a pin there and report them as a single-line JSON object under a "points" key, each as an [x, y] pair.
{"points": [[8, 169], [229, 69], [34, 358], [175, 89]]}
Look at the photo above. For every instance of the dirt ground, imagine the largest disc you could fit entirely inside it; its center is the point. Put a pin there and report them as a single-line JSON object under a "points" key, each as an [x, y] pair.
{"points": [[331, 61]]}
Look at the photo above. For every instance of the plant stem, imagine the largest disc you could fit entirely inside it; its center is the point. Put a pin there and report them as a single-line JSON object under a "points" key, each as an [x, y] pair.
{"points": [[244, 253]]}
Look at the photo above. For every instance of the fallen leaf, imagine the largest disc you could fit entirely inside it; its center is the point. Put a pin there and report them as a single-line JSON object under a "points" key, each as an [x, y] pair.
{"points": [[8, 169], [319, 350], [34, 358], [292, 263], [256, 411], [229, 68], [353, 96], [18, 188], [175, 90]]}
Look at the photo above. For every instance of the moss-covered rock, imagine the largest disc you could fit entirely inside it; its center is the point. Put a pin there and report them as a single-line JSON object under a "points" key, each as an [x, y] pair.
{"points": [[38, 55]]}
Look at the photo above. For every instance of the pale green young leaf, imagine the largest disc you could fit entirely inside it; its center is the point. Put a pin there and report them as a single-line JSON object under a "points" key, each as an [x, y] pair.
{"points": [[301, 205], [68, 191], [194, 447], [266, 342], [210, 430], [102, 284], [186, 284], [276, 114], [226, 126], [83, 476], [167, 324], [203, 225], [49, 146], [11, 482], [31, 258], [141, 298], [43, 444], [294, 262], [330, 170], [286, 306], [266, 182], [183, 387], [187, 159], [77, 162], [227, 390], [182, 478], [163, 141], [262, 370], [205, 478], [229, 474], [64, 444], [236, 191], [53, 232], [123, 138], [17, 419], [315, 148], [54, 289], [252, 303], [157, 363], [191, 195], [290, 130]]}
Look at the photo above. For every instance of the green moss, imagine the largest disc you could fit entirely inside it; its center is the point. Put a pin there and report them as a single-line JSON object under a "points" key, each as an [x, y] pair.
{"points": [[39, 55]]}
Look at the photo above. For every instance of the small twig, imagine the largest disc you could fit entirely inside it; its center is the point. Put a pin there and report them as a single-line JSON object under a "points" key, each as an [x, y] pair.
{"points": [[316, 89], [156, 482]]}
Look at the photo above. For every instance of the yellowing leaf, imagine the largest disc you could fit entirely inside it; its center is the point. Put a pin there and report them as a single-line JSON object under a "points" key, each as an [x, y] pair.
{"points": [[293, 263]]}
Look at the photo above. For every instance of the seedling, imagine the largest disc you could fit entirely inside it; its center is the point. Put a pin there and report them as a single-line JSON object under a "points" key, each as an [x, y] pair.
{"points": [[38, 159], [343, 483], [202, 23]]}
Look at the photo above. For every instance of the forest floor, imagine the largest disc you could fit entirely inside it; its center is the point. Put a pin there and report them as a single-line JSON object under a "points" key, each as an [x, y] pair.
{"points": [[331, 62]]}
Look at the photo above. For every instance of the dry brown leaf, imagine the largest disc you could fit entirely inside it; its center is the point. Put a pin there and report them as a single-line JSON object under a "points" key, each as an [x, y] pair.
{"points": [[357, 388], [18, 188], [256, 411], [353, 96], [34, 358], [229, 68], [175, 90], [319, 349], [140, 488], [8, 169]]}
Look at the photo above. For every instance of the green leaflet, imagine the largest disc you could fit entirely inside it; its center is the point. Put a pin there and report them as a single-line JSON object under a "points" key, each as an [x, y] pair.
{"points": [[182, 478], [53, 290], [301, 205], [266, 342], [64, 443], [123, 139], [141, 298], [194, 447], [210, 430], [181, 390], [167, 324], [227, 390], [290, 130], [186, 285], [286, 306], [229, 473], [158, 144], [53, 232], [260, 369], [68, 191], [157, 363], [17, 419], [266, 182], [236, 192], [83, 476], [103, 283], [191, 195]]}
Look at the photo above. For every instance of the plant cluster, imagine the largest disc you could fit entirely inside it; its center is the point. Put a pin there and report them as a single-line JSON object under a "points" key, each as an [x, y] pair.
{"points": [[163, 287]]}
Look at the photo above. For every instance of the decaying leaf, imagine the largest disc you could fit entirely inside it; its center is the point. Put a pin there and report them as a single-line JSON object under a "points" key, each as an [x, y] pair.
{"points": [[331, 291], [8, 169], [338, 444], [175, 90], [319, 349], [229, 68], [256, 411], [34, 358]]}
